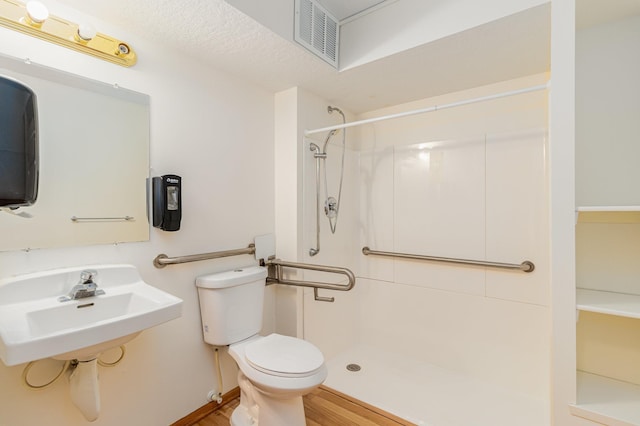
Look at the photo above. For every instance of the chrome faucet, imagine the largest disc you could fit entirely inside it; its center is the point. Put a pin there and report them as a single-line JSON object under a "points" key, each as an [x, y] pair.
{"points": [[86, 287]]}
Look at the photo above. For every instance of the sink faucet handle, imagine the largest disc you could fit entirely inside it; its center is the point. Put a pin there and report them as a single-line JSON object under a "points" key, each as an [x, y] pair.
{"points": [[88, 276]]}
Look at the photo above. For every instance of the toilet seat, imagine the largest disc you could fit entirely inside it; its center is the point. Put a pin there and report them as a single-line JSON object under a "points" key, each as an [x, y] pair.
{"points": [[284, 356]]}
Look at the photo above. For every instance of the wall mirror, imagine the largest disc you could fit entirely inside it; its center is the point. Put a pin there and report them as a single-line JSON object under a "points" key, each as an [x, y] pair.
{"points": [[94, 163]]}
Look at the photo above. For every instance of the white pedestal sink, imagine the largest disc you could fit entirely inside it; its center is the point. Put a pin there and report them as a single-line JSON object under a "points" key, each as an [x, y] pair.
{"points": [[35, 324]]}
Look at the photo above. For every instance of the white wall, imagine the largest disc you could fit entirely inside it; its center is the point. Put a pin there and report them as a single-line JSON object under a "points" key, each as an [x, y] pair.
{"points": [[562, 211], [199, 130], [406, 24], [297, 110], [469, 182], [607, 107]]}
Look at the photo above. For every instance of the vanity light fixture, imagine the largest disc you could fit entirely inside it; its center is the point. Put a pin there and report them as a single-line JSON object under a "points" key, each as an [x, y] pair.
{"points": [[34, 19]]}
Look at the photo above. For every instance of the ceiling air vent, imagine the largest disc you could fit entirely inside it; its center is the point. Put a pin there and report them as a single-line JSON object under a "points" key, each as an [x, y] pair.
{"points": [[317, 30]]}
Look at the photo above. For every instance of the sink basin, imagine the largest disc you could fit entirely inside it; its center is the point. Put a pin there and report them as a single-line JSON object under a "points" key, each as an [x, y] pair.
{"points": [[35, 324]]}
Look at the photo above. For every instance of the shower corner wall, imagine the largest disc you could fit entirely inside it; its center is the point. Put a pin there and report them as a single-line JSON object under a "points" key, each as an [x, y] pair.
{"points": [[336, 249], [296, 111]]}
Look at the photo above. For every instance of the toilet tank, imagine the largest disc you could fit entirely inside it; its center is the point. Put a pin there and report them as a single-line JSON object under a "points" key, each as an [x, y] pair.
{"points": [[231, 304]]}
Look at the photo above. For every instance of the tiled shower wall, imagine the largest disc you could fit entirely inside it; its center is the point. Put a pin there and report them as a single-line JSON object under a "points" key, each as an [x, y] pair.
{"points": [[469, 182]]}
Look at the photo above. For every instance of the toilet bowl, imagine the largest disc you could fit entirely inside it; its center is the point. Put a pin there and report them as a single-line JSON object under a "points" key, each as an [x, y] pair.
{"points": [[280, 365], [275, 371]]}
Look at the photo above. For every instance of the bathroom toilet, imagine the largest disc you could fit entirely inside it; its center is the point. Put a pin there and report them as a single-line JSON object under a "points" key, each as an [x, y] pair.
{"points": [[275, 371]]}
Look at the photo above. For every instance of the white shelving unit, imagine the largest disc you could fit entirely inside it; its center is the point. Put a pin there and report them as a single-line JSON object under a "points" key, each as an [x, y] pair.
{"points": [[606, 302], [607, 401], [608, 214], [608, 209], [607, 231], [602, 399]]}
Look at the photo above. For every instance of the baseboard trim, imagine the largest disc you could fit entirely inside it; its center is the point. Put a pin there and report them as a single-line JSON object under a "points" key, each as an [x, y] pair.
{"points": [[207, 409], [233, 394], [369, 407]]}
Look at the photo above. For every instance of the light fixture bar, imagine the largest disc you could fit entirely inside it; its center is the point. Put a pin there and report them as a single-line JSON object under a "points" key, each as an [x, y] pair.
{"points": [[14, 15]]}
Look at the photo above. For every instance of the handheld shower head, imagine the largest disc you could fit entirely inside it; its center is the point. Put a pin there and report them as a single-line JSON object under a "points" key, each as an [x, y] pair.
{"points": [[331, 109], [331, 203]]}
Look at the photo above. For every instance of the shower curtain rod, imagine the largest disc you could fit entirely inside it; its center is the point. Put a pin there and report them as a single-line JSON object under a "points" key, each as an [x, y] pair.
{"points": [[430, 109]]}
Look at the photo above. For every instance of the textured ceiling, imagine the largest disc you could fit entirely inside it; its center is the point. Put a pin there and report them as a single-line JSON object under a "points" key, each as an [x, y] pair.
{"points": [[217, 34]]}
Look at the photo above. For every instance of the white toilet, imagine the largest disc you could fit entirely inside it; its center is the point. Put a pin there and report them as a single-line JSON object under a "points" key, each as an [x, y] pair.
{"points": [[275, 371]]}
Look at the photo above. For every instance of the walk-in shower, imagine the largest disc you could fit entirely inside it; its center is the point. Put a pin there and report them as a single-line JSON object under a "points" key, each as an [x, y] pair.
{"points": [[331, 204], [437, 343]]}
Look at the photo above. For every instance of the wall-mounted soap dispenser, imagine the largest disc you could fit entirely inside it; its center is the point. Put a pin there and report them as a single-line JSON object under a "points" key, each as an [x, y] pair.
{"points": [[167, 202]]}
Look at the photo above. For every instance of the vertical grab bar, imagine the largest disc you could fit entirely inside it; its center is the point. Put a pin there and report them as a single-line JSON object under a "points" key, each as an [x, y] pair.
{"points": [[317, 155]]}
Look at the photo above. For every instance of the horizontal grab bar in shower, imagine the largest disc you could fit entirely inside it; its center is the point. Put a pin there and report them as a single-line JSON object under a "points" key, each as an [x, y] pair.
{"points": [[276, 277], [526, 266], [163, 260]]}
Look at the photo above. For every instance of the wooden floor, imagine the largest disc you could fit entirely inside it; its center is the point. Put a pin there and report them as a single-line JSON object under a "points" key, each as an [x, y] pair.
{"points": [[323, 407]]}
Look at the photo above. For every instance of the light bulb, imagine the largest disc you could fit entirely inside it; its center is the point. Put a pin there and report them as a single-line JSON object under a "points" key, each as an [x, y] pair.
{"points": [[86, 31], [38, 12]]}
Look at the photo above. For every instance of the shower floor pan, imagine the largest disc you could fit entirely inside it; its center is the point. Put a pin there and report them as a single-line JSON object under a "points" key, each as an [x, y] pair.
{"points": [[428, 395]]}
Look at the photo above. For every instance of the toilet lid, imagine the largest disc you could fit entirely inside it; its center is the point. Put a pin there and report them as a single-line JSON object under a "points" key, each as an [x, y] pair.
{"points": [[284, 356]]}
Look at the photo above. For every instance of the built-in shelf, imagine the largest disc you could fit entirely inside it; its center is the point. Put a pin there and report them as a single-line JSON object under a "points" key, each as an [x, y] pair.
{"points": [[608, 209], [606, 302], [602, 399], [607, 401], [608, 214]]}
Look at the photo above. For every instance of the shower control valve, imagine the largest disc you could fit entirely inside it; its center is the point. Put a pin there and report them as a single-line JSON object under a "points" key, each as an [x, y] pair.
{"points": [[331, 207]]}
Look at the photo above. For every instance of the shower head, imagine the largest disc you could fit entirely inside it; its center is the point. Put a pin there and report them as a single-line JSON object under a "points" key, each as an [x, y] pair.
{"points": [[331, 109], [326, 140]]}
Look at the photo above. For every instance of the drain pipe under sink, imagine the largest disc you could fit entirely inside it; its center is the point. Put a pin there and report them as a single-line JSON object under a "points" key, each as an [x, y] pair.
{"points": [[84, 389]]}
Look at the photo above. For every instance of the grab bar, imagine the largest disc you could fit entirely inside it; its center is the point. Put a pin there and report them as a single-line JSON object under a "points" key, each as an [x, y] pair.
{"points": [[163, 260], [274, 269], [526, 266], [313, 147], [102, 219], [275, 276]]}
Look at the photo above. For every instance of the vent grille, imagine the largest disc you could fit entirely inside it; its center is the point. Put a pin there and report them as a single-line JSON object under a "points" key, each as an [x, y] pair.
{"points": [[317, 30]]}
